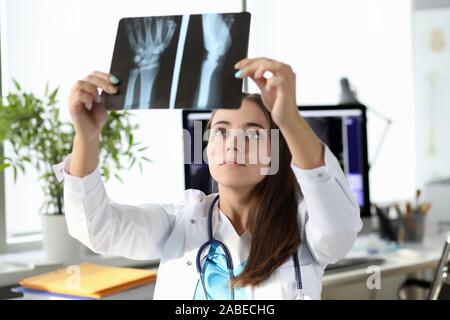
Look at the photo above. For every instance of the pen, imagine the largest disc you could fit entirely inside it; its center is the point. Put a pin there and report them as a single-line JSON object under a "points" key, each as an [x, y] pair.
{"points": [[417, 204], [409, 209], [418, 192], [397, 209], [425, 208]]}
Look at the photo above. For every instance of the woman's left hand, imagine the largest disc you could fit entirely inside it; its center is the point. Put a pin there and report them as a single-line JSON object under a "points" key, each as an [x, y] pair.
{"points": [[279, 97], [278, 92]]}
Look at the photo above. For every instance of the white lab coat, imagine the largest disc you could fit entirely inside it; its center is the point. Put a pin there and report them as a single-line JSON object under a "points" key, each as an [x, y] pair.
{"points": [[329, 220]]}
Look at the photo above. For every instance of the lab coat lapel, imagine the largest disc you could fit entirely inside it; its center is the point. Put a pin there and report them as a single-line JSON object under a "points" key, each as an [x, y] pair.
{"points": [[196, 235]]}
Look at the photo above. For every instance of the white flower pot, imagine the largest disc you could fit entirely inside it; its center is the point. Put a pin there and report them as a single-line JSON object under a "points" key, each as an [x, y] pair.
{"points": [[59, 246]]}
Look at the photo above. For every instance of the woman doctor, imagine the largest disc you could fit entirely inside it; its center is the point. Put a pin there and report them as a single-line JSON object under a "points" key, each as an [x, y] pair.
{"points": [[260, 237]]}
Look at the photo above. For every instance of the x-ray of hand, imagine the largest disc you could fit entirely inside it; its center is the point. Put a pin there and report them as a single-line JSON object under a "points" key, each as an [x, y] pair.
{"points": [[159, 33], [179, 61], [149, 38], [217, 35]]}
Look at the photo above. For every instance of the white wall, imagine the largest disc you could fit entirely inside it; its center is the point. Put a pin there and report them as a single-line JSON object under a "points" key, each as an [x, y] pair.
{"points": [[368, 41], [63, 41], [432, 93]]}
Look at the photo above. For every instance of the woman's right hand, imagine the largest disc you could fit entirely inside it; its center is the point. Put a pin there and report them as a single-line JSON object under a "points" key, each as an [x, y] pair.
{"points": [[88, 114]]}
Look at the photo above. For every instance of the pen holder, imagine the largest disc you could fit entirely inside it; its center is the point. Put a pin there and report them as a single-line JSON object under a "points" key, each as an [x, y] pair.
{"points": [[390, 229], [406, 228], [413, 228]]}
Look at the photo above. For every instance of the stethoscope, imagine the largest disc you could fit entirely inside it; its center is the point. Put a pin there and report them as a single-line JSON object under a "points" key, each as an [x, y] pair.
{"points": [[229, 262]]}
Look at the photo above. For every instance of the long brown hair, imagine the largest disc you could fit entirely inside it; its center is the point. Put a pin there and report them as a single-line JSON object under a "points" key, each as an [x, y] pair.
{"points": [[274, 221]]}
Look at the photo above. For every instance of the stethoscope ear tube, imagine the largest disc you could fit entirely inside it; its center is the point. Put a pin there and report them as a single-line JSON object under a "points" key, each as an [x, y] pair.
{"points": [[298, 273], [210, 212]]}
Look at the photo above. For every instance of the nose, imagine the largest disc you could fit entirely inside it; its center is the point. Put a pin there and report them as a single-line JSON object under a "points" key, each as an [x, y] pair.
{"points": [[234, 141], [231, 144]]}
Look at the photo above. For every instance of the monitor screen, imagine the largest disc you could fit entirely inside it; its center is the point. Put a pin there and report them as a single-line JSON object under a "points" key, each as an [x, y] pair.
{"points": [[342, 128]]}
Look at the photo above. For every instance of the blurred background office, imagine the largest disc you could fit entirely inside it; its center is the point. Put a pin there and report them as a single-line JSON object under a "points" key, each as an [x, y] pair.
{"points": [[384, 64]]}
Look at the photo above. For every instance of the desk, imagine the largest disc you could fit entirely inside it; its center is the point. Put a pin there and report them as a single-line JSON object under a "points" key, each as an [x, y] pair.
{"points": [[336, 285], [397, 267]]}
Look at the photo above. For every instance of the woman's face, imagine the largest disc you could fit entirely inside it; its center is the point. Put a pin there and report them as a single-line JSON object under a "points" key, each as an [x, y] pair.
{"points": [[239, 146]]}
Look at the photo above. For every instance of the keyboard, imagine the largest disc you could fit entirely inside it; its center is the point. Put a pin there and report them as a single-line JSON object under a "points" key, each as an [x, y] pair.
{"points": [[353, 263]]}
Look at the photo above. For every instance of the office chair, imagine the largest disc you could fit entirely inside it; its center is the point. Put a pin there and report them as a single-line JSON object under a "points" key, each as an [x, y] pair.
{"points": [[439, 288]]}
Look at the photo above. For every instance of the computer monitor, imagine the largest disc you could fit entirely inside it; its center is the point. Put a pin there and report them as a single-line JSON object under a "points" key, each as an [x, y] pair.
{"points": [[342, 127]]}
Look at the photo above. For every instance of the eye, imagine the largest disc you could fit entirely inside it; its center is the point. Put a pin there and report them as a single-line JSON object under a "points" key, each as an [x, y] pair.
{"points": [[219, 132], [252, 134]]}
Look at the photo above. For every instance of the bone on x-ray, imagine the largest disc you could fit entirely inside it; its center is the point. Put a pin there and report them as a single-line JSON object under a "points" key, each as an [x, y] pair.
{"points": [[179, 61]]}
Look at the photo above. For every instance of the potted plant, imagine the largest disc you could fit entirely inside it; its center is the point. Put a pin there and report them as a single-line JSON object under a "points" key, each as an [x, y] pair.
{"points": [[37, 136]]}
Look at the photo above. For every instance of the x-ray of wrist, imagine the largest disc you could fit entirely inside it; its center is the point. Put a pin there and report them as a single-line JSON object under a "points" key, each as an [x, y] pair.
{"points": [[217, 41], [148, 38], [181, 61]]}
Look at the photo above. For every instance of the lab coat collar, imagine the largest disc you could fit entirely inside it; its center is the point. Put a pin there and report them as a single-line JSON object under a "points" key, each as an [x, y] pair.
{"points": [[198, 234], [223, 230]]}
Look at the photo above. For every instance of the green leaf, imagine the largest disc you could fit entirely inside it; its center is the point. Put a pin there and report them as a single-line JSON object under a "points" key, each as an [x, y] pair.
{"points": [[118, 177], [130, 139], [5, 165], [142, 149], [53, 95], [15, 173], [132, 163], [21, 167], [17, 85]]}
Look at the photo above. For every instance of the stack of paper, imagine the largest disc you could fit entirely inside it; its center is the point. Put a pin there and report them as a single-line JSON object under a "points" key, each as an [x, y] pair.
{"points": [[89, 281]]}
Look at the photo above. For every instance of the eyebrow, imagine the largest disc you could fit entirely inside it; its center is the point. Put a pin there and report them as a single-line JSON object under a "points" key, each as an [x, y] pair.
{"points": [[247, 124]]}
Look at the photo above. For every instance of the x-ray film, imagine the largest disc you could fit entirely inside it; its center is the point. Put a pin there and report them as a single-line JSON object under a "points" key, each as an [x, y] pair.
{"points": [[179, 62]]}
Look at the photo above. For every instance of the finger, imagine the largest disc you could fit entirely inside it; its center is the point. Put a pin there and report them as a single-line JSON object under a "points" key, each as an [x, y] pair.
{"points": [[260, 82], [242, 63], [85, 98], [261, 72], [245, 62], [263, 65], [86, 87], [108, 77], [275, 82], [101, 83]]}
